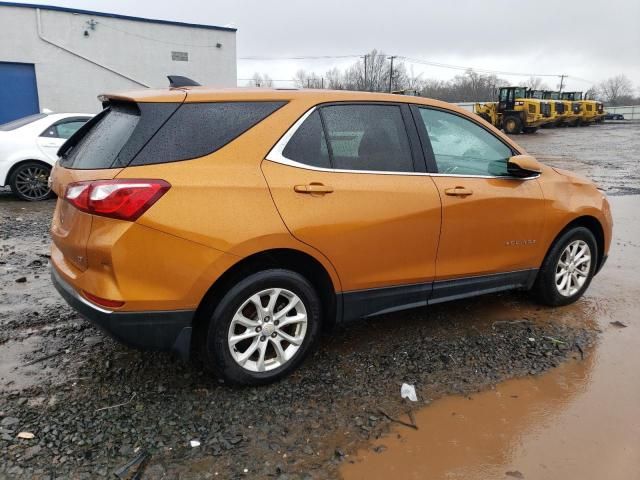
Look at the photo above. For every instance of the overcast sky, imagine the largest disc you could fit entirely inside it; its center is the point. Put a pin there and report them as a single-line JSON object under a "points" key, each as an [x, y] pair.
{"points": [[586, 39]]}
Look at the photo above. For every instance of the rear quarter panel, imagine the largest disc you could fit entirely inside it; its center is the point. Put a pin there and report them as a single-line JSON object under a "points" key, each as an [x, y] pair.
{"points": [[222, 200]]}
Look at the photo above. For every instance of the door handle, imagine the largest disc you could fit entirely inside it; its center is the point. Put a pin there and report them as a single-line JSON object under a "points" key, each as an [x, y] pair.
{"points": [[313, 188], [458, 191]]}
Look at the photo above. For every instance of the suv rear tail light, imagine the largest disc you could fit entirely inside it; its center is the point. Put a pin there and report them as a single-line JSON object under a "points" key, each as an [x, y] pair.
{"points": [[124, 199]]}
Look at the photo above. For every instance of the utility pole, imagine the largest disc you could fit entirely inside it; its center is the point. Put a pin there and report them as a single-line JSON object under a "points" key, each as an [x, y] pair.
{"points": [[391, 72], [366, 87], [561, 82]]}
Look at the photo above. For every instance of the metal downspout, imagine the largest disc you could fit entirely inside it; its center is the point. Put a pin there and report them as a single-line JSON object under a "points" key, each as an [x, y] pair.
{"points": [[61, 47]]}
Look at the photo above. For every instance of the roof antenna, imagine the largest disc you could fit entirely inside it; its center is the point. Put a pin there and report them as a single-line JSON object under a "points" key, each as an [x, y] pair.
{"points": [[177, 81]]}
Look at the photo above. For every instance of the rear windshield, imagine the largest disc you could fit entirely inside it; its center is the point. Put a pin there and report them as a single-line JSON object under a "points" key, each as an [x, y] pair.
{"points": [[149, 133], [21, 122]]}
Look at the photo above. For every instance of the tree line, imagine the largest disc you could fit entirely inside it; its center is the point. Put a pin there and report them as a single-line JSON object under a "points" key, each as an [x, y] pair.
{"points": [[378, 72]]}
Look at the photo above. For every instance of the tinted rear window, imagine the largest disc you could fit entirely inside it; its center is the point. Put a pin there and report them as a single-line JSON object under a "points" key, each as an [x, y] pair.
{"points": [[198, 129], [100, 146], [147, 133]]}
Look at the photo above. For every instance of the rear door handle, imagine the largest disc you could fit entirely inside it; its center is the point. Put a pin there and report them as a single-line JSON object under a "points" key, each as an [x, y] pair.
{"points": [[313, 188], [458, 191]]}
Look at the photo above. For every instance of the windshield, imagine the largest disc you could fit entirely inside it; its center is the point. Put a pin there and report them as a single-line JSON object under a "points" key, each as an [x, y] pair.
{"points": [[520, 92], [21, 122]]}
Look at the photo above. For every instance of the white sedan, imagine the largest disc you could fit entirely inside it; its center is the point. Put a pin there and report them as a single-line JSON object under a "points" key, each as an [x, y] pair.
{"points": [[28, 150]]}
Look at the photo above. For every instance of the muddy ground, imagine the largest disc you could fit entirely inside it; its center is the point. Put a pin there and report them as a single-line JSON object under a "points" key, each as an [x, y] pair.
{"points": [[578, 421], [93, 404]]}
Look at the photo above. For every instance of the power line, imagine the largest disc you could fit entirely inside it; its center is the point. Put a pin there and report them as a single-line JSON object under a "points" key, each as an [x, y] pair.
{"points": [[479, 70], [301, 57], [419, 61], [581, 79]]}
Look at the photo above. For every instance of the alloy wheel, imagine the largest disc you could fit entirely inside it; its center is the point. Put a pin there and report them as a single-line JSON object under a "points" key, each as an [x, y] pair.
{"points": [[267, 330], [31, 182], [573, 268]]}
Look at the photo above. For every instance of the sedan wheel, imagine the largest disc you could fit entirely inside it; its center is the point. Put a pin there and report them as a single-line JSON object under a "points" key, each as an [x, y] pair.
{"points": [[29, 182]]}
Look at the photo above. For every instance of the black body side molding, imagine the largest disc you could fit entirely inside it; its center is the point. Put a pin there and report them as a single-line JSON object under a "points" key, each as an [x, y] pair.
{"points": [[378, 301]]}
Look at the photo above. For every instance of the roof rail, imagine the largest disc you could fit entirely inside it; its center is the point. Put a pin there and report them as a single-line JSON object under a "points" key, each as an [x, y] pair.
{"points": [[177, 81]]}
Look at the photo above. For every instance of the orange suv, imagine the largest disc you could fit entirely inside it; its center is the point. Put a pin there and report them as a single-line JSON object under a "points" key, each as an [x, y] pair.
{"points": [[234, 224]]}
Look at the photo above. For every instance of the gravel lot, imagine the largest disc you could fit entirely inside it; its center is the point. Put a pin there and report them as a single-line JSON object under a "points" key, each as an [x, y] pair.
{"points": [[59, 374]]}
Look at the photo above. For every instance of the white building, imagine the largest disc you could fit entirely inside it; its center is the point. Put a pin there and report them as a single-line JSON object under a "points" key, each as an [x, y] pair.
{"points": [[61, 59]]}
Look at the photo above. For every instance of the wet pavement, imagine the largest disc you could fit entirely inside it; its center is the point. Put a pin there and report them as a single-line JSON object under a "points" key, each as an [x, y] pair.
{"points": [[581, 420], [607, 154], [58, 375]]}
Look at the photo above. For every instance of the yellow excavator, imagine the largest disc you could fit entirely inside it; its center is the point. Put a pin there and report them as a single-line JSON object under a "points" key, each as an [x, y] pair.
{"points": [[514, 112]]}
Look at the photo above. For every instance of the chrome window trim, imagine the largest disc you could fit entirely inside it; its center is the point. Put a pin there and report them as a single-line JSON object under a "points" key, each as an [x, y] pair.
{"points": [[275, 155]]}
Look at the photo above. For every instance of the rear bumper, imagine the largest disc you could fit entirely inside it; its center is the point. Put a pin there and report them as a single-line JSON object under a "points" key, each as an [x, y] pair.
{"points": [[148, 330]]}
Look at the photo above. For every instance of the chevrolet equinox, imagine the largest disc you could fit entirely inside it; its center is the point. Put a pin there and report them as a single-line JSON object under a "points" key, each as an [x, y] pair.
{"points": [[235, 224]]}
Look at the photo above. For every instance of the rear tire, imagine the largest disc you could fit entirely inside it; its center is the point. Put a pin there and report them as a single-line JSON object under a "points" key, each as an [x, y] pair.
{"points": [[512, 125], [249, 345], [29, 181], [567, 269]]}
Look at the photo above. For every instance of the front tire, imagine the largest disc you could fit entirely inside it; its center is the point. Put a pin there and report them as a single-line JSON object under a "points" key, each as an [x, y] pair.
{"points": [[567, 269], [263, 328], [512, 125], [29, 181]]}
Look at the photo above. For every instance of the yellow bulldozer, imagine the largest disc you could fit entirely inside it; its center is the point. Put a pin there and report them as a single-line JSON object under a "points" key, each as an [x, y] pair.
{"points": [[514, 112]]}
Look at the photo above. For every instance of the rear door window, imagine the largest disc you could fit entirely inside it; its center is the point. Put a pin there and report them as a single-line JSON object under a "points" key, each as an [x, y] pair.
{"points": [[65, 128], [367, 137]]}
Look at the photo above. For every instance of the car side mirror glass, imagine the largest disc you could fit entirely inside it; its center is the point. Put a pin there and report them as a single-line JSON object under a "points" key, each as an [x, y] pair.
{"points": [[523, 166]]}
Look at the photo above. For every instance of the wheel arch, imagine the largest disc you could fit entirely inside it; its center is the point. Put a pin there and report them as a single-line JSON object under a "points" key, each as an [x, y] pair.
{"points": [[15, 166], [592, 224], [284, 258]]}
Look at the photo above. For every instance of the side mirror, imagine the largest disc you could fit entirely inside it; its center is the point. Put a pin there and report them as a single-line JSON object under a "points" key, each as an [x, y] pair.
{"points": [[523, 166]]}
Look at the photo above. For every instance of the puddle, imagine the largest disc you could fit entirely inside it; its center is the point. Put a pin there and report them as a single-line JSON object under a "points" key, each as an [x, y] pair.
{"points": [[580, 421], [15, 374]]}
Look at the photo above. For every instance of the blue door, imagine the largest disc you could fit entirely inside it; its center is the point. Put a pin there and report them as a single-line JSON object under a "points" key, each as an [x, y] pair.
{"points": [[18, 91]]}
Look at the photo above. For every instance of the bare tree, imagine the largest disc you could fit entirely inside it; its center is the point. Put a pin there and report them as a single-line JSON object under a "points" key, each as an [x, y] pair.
{"points": [[261, 80], [616, 90], [536, 83], [304, 79], [591, 94]]}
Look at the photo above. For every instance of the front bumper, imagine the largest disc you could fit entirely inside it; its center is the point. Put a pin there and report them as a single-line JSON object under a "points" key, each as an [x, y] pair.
{"points": [[149, 330]]}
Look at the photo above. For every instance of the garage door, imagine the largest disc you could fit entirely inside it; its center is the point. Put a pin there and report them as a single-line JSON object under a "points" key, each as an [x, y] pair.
{"points": [[18, 91]]}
